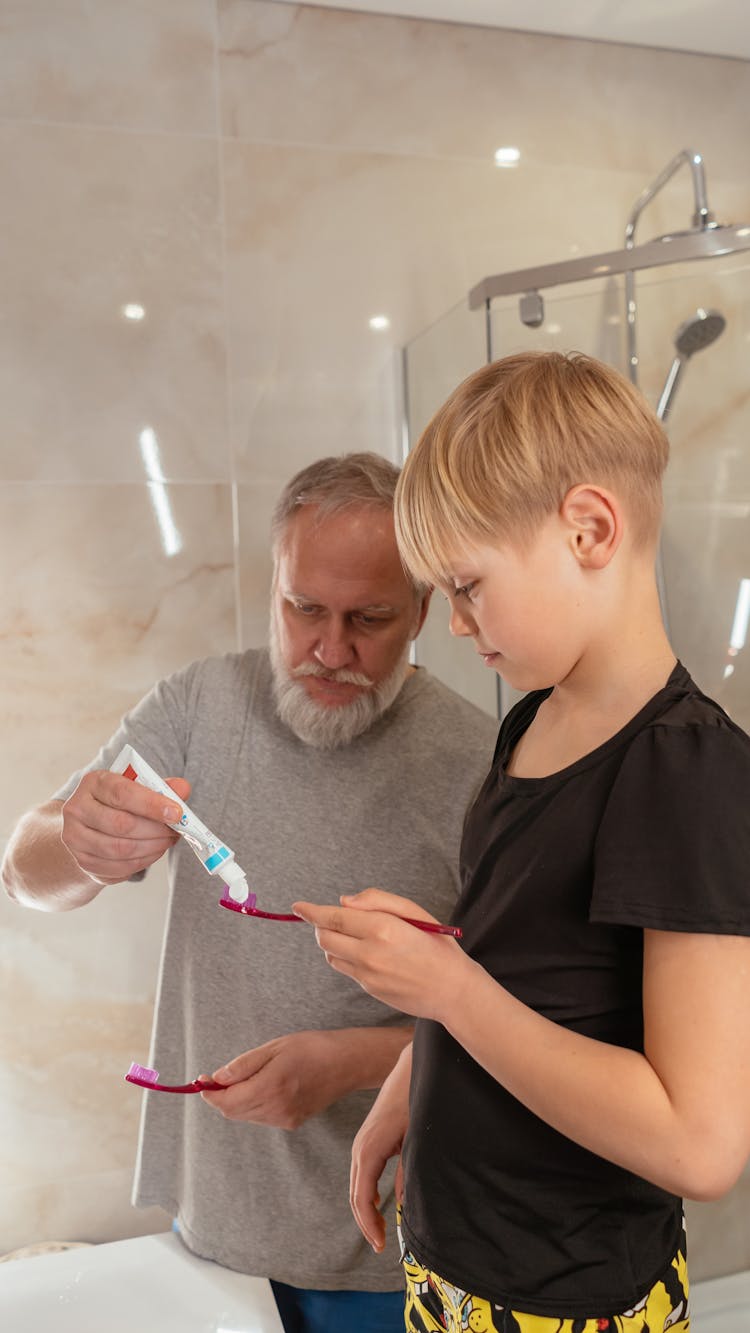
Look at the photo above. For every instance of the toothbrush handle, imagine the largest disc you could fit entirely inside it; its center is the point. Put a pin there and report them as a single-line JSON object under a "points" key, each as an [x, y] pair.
{"points": [[432, 927], [198, 1085]]}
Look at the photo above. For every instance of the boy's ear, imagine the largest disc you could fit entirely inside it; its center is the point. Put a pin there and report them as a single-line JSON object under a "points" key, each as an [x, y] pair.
{"points": [[593, 516]]}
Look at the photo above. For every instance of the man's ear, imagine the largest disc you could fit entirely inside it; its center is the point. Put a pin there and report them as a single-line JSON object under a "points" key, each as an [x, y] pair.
{"points": [[422, 613], [594, 519]]}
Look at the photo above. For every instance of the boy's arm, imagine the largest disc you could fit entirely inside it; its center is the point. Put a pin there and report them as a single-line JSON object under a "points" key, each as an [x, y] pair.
{"points": [[380, 1138], [681, 1117], [62, 853]]}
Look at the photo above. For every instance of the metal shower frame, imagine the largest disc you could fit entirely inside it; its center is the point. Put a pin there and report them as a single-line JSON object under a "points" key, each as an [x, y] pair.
{"points": [[706, 239]]}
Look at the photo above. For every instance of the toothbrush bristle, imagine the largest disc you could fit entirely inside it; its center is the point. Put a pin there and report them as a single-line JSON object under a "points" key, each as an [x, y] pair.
{"points": [[140, 1071], [228, 901]]}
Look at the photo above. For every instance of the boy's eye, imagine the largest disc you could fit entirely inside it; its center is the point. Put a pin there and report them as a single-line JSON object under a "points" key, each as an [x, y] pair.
{"points": [[465, 590]]}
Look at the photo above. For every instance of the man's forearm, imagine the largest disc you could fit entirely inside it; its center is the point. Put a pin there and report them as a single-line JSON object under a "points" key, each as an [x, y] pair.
{"points": [[38, 870], [369, 1054]]}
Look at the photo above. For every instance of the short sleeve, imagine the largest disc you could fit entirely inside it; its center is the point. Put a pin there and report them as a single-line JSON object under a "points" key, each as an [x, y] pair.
{"points": [[673, 846]]}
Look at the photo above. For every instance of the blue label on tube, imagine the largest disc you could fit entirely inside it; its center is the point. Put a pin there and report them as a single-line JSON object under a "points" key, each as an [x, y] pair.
{"points": [[216, 859]]}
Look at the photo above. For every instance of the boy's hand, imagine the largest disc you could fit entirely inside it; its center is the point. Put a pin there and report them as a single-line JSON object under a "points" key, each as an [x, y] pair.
{"points": [[380, 1138], [404, 967], [114, 827]]}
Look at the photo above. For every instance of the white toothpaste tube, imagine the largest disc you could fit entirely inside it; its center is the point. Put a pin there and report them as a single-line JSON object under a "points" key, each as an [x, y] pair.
{"points": [[214, 855]]}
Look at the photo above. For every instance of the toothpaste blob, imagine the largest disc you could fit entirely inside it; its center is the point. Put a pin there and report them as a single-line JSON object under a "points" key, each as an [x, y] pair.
{"points": [[214, 855]]}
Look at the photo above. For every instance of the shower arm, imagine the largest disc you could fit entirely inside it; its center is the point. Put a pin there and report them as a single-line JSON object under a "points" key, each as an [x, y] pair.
{"points": [[702, 218]]}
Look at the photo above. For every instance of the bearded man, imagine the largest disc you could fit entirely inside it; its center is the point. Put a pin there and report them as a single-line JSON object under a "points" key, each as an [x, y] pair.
{"points": [[328, 763]]}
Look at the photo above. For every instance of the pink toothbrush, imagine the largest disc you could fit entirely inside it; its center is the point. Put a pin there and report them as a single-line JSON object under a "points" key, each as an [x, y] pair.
{"points": [[248, 908], [149, 1078]]}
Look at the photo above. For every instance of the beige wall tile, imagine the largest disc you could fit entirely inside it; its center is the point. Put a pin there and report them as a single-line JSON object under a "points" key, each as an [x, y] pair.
{"points": [[147, 64], [319, 241], [94, 612], [255, 505], [77, 990], [300, 74], [93, 220]]}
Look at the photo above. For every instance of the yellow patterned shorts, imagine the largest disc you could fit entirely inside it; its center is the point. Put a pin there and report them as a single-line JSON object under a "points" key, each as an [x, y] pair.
{"points": [[435, 1306]]}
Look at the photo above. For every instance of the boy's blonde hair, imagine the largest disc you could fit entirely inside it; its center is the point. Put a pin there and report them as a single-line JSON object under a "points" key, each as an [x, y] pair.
{"points": [[503, 451]]}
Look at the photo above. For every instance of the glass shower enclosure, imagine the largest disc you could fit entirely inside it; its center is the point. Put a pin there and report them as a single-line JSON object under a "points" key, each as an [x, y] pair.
{"points": [[675, 292]]}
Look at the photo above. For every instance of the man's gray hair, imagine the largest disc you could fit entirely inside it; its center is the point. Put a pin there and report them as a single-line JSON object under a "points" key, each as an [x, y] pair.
{"points": [[333, 484]]}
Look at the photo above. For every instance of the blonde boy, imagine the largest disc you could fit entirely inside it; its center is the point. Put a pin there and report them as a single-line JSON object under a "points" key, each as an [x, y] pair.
{"points": [[582, 1060]]}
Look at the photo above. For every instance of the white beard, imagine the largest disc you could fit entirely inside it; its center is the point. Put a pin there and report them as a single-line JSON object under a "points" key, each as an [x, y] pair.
{"points": [[329, 727]]}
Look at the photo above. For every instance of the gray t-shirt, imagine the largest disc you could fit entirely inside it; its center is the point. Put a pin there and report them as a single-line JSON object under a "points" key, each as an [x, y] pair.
{"points": [[386, 810]]}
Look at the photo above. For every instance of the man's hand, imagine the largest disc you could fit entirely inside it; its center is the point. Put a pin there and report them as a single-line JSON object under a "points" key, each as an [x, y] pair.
{"points": [[294, 1077], [114, 827]]}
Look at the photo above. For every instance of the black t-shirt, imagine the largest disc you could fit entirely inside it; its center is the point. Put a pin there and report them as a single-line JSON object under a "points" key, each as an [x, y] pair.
{"points": [[560, 876]]}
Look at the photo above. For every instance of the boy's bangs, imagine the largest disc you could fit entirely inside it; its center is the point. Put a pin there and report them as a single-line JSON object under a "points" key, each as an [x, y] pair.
{"points": [[427, 523]]}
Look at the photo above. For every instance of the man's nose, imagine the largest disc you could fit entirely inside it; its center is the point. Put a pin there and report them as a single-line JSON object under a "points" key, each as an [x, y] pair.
{"points": [[461, 623], [335, 648]]}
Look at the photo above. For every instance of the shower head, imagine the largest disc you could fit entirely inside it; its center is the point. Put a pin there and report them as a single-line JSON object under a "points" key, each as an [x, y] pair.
{"points": [[698, 332], [703, 328]]}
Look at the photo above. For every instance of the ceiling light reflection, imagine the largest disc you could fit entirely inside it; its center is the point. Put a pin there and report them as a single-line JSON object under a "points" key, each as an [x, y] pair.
{"points": [[170, 537], [507, 157]]}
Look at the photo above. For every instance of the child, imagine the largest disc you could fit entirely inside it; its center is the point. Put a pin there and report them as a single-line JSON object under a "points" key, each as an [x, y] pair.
{"points": [[582, 1059]]}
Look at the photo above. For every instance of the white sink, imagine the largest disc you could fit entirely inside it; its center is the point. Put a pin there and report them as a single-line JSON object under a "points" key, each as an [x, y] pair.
{"points": [[152, 1284], [155, 1285]]}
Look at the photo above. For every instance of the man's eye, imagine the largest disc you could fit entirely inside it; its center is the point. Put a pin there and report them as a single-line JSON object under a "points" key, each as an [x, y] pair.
{"points": [[304, 609]]}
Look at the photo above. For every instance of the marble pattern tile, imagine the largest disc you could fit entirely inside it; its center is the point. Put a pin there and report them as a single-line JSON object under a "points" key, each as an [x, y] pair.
{"points": [[94, 612], [304, 75], [94, 220], [145, 65], [324, 240], [255, 506], [80, 1011]]}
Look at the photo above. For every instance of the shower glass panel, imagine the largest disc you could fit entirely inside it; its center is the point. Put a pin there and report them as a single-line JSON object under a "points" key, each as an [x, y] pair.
{"points": [[706, 535], [706, 542]]}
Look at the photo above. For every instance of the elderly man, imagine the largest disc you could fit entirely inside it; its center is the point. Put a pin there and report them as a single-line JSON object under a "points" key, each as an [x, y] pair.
{"points": [[328, 764]]}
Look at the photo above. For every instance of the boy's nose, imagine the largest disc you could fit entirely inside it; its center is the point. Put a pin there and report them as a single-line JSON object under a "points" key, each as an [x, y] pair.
{"points": [[461, 624]]}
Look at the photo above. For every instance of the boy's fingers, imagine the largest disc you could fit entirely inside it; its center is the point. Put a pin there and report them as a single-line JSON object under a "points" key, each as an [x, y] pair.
{"points": [[378, 900], [359, 923], [330, 918]]}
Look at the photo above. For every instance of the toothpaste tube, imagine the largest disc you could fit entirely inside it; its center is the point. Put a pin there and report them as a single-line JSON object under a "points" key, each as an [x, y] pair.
{"points": [[215, 856]]}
